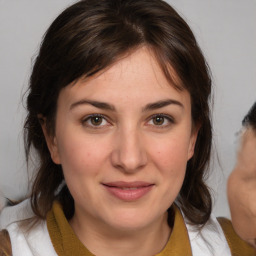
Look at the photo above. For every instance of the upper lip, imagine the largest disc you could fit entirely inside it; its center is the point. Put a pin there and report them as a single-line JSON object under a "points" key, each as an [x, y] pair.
{"points": [[124, 184]]}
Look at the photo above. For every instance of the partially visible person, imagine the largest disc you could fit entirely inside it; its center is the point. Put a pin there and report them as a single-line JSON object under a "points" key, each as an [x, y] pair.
{"points": [[242, 182]]}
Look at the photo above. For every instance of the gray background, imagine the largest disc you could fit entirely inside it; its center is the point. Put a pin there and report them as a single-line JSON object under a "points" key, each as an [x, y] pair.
{"points": [[225, 30]]}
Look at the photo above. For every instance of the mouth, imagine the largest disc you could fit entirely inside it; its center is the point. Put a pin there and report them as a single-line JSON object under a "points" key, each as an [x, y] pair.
{"points": [[128, 191]]}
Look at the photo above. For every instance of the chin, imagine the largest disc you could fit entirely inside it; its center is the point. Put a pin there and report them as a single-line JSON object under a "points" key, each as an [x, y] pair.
{"points": [[132, 220]]}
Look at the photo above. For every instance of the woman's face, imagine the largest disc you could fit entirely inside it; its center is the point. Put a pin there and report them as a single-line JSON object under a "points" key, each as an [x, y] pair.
{"points": [[123, 138]]}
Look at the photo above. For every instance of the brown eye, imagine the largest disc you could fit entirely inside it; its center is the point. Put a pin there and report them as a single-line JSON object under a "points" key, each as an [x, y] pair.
{"points": [[161, 121], [96, 120], [158, 120]]}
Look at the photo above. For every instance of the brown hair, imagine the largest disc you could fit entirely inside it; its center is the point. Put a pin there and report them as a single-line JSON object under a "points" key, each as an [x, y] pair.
{"points": [[86, 38]]}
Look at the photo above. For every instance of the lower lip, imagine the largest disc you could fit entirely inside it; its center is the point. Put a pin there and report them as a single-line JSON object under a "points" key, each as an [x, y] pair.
{"points": [[129, 194]]}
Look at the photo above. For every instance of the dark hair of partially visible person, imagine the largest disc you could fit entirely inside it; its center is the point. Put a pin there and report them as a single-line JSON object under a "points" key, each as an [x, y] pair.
{"points": [[250, 118], [88, 37]]}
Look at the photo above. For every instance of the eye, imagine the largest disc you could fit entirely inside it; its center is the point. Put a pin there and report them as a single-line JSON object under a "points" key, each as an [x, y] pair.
{"points": [[158, 120], [95, 121], [161, 120]]}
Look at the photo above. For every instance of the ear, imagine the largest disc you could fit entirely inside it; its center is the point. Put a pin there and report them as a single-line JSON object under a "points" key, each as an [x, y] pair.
{"points": [[192, 141], [51, 141]]}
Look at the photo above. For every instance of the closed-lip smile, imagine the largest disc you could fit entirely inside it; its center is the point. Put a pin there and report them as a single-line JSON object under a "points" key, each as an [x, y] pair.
{"points": [[128, 191]]}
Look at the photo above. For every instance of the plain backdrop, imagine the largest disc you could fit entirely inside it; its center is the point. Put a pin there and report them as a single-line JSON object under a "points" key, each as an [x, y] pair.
{"points": [[226, 32]]}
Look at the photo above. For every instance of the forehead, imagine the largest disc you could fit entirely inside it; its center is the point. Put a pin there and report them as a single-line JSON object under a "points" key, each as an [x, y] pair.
{"points": [[137, 78]]}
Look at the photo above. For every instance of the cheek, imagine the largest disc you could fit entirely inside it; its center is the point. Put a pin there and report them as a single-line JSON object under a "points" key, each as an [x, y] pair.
{"points": [[81, 155], [170, 156], [170, 162]]}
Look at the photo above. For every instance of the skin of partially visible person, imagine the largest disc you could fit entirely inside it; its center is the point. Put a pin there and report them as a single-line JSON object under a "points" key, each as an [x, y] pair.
{"points": [[242, 183]]}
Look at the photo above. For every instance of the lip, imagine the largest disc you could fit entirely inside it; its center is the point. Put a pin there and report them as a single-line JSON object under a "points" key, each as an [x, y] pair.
{"points": [[128, 191]]}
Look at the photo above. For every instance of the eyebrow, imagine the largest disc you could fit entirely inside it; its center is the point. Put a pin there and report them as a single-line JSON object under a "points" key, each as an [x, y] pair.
{"points": [[161, 104], [97, 104], [107, 106]]}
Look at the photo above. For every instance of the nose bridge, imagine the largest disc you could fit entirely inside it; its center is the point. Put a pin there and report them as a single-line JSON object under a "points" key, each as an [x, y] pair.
{"points": [[129, 153]]}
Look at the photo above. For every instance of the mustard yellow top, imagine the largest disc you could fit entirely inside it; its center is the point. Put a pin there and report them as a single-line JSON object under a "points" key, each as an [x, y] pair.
{"points": [[65, 242]]}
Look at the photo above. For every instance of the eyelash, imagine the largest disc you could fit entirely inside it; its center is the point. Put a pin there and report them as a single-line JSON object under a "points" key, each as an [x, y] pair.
{"points": [[88, 118]]}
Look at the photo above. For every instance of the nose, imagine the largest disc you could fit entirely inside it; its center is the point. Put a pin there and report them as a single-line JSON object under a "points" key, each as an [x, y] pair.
{"points": [[129, 154]]}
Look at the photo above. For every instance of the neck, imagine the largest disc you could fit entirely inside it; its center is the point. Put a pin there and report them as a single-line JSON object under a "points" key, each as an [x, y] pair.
{"points": [[105, 241]]}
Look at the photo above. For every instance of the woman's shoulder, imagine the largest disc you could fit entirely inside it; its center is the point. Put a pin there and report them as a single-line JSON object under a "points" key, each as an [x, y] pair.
{"points": [[236, 244], [217, 237], [208, 239], [25, 239]]}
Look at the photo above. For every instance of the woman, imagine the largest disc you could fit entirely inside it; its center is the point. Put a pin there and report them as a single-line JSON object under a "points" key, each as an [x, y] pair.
{"points": [[118, 115]]}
